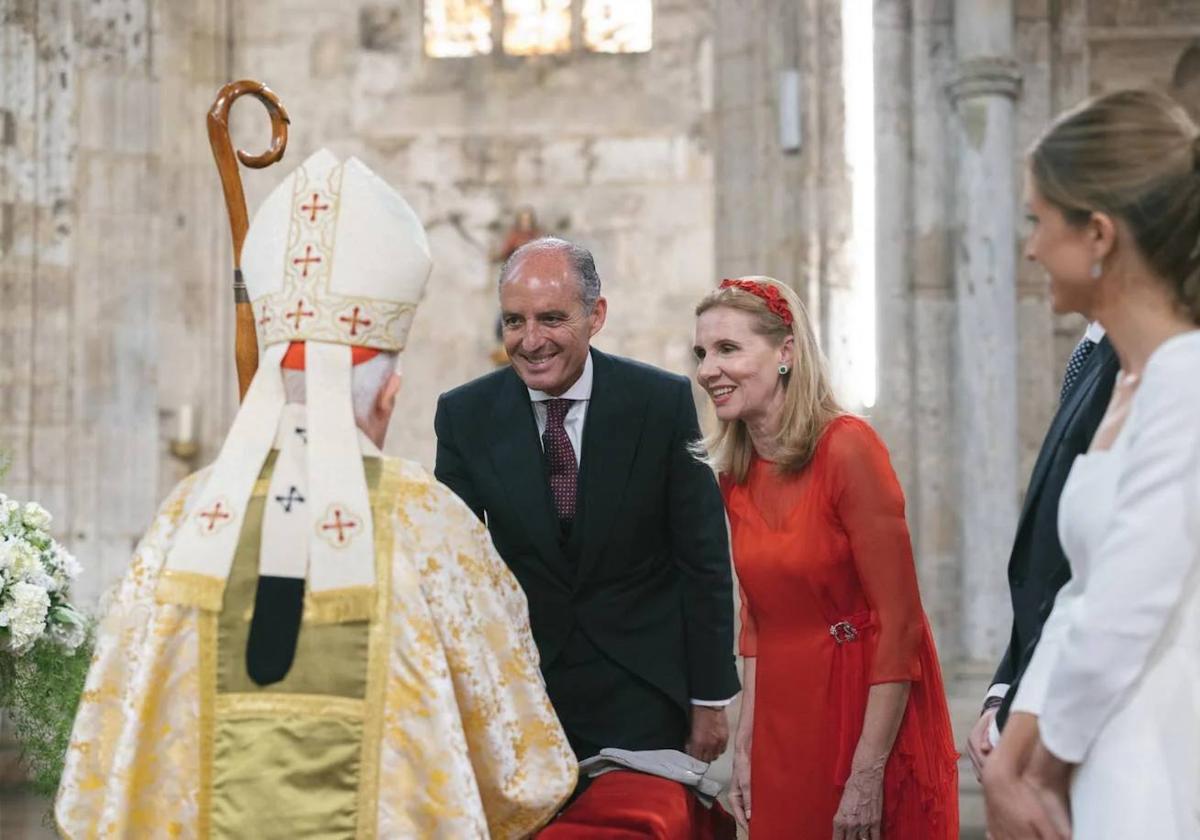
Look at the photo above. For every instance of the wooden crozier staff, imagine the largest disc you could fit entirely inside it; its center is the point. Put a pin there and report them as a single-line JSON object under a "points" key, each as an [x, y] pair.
{"points": [[246, 342]]}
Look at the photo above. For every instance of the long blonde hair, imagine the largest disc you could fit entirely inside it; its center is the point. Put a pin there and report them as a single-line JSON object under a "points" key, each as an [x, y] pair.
{"points": [[1134, 155], [808, 402]]}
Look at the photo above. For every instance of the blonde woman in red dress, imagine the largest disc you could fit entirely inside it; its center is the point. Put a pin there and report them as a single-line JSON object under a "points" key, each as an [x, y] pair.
{"points": [[844, 730]]}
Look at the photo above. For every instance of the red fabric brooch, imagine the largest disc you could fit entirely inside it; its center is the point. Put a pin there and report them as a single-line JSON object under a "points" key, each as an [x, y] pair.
{"points": [[767, 292]]}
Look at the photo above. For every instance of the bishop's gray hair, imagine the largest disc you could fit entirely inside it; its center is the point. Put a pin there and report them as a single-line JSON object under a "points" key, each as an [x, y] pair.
{"points": [[366, 380], [580, 258]]}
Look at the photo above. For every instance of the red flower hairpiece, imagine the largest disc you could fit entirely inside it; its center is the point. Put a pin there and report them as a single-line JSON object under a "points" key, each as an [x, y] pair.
{"points": [[769, 294]]}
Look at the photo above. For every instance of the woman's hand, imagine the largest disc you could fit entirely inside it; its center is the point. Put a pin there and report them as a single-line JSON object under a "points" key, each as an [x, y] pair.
{"points": [[1015, 808], [1050, 779], [860, 814], [739, 789]]}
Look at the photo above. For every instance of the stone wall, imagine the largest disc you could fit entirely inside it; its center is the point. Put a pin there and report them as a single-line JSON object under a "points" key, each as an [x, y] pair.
{"points": [[614, 151], [115, 286], [785, 212], [107, 280]]}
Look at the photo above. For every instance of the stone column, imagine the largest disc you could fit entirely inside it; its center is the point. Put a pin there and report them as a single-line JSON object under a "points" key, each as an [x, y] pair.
{"points": [[984, 91]]}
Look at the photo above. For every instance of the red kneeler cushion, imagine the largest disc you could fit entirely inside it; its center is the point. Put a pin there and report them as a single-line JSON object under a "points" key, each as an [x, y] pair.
{"points": [[623, 805]]}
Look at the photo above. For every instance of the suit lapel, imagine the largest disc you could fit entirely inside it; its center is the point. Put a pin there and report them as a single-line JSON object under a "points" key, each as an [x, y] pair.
{"points": [[1097, 367], [611, 435], [517, 456]]}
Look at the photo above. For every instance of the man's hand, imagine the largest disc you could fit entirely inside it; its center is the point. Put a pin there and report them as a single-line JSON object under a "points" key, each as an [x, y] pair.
{"points": [[709, 733], [979, 742]]}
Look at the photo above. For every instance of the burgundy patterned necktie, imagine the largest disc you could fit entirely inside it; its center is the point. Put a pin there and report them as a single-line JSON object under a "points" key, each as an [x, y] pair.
{"points": [[560, 458]]}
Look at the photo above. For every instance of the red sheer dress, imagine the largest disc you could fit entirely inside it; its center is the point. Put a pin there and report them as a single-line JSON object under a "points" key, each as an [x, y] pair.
{"points": [[830, 607]]}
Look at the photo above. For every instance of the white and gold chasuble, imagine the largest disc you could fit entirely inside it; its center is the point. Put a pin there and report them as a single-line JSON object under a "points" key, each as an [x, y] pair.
{"points": [[429, 720]]}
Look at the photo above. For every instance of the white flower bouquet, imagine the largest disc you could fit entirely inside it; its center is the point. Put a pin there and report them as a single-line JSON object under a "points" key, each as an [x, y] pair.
{"points": [[45, 642], [35, 577]]}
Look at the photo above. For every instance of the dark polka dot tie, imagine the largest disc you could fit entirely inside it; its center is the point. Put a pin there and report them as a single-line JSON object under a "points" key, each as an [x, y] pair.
{"points": [[560, 459], [1075, 364]]}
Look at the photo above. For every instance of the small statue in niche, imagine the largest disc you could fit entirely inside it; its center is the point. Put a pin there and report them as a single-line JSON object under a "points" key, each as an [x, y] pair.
{"points": [[523, 231]]}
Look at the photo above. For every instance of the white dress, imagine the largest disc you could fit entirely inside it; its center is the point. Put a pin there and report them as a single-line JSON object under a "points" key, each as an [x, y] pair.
{"points": [[1115, 679]]}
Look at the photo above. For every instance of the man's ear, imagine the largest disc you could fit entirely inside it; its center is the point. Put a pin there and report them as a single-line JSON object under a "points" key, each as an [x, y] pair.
{"points": [[385, 402], [598, 314]]}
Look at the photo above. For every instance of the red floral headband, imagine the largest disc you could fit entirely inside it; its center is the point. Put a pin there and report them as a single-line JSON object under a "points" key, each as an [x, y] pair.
{"points": [[767, 292]]}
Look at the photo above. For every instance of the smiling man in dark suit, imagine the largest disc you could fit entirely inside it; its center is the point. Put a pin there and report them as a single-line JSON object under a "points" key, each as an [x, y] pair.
{"points": [[1038, 568], [578, 461]]}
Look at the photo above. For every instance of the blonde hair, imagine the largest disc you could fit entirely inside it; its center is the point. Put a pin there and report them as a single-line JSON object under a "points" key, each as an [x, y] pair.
{"points": [[1134, 155], [808, 402]]}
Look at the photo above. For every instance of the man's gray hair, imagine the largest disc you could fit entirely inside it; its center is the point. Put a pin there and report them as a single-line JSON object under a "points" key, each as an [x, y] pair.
{"points": [[580, 258]]}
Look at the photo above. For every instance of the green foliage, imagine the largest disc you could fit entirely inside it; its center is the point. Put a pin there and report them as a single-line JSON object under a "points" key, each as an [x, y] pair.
{"points": [[40, 692]]}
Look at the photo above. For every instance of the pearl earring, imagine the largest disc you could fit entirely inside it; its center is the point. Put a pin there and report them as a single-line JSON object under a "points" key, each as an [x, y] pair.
{"points": [[1097, 269], [783, 370]]}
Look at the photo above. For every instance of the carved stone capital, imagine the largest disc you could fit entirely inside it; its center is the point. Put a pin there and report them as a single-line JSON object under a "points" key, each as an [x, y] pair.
{"points": [[985, 76]]}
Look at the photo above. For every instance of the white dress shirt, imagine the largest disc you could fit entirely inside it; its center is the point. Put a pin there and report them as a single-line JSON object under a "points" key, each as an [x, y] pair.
{"points": [[581, 394]]}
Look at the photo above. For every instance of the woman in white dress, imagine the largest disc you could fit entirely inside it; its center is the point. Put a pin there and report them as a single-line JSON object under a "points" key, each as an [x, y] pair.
{"points": [[1104, 736]]}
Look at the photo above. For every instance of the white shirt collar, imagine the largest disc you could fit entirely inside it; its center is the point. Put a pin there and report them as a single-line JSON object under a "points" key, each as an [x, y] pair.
{"points": [[580, 391], [1095, 332]]}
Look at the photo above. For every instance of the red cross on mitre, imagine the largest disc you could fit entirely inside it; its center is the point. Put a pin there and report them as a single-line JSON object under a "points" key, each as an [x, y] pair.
{"points": [[299, 313], [314, 207], [339, 526], [265, 319], [307, 260], [354, 319], [214, 517]]}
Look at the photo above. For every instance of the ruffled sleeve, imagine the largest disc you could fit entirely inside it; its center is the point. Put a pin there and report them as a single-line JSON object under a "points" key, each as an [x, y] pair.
{"points": [[870, 507]]}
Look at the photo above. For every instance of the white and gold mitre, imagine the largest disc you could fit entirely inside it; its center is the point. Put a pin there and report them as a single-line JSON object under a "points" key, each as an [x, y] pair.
{"points": [[335, 255], [334, 259]]}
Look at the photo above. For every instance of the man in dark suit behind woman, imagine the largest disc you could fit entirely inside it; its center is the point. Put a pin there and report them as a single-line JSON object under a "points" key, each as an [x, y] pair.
{"points": [[578, 462], [1038, 568]]}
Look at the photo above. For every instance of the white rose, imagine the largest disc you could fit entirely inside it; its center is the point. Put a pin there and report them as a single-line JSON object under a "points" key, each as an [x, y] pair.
{"points": [[36, 516], [10, 514], [23, 560], [26, 616], [6, 554], [67, 628]]}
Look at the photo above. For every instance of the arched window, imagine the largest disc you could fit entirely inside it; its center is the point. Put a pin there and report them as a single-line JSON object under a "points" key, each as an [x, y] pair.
{"points": [[458, 28], [462, 28]]}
